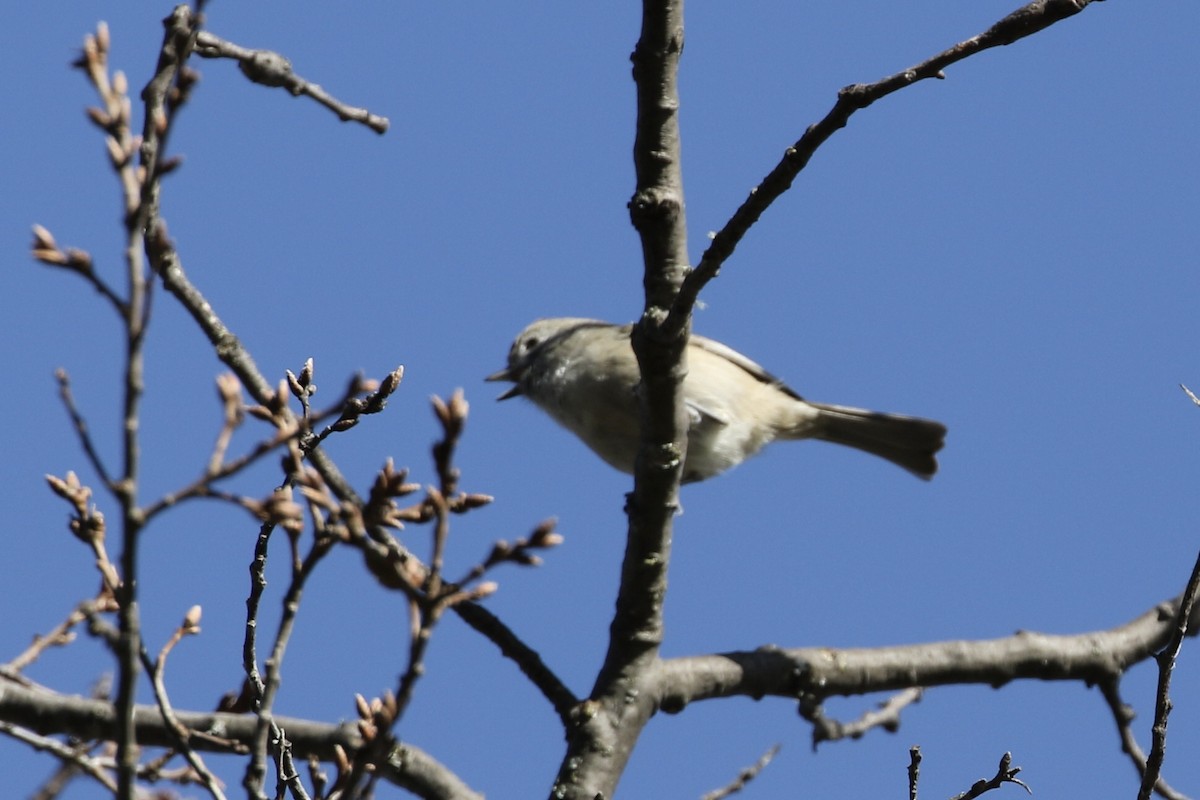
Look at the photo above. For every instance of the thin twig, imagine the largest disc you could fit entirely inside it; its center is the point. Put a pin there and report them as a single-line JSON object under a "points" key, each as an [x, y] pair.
{"points": [[47, 251], [76, 757], [157, 671], [886, 716], [61, 635], [264, 689], [1190, 394], [288, 775], [255, 687], [1005, 773], [1166, 665], [914, 770], [269, 68], [1023, 22], [81, 427], [744, 777], [201, 486], [525, 657], [289, 429], [1123, 716]]}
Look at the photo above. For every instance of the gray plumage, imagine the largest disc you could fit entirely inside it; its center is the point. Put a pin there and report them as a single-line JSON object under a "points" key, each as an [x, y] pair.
{"points": [[583, 373]]}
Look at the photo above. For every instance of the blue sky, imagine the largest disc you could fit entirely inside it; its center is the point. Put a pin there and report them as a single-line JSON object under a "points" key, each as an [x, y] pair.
{"points": [[1011, 250]]}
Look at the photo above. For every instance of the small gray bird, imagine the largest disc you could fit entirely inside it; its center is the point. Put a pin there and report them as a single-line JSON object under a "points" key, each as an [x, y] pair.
{"points": [[582, 372]]}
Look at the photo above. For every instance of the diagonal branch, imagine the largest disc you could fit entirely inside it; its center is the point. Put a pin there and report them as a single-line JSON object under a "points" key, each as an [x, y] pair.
{"points": [[74, 758], [269, 68], [1025, 21], [745, 776], [81, 427], [1123, 717], [1166, 665], [526, 658]]}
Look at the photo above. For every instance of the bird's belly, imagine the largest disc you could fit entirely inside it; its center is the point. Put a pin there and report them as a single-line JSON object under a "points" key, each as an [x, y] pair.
{"points": [[712, 449]]}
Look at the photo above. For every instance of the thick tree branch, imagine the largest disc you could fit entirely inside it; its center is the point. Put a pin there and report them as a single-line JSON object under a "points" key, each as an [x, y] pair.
{"points": [[821, 672], [46, 713], [1097, 657], [607, 726]]}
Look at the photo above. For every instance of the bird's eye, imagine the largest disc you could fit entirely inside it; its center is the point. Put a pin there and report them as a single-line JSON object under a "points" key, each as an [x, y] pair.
{"points": [[530, 343]]}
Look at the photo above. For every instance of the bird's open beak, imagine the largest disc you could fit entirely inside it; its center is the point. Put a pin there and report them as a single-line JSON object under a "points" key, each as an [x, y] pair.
{"points": [[506, 374]]}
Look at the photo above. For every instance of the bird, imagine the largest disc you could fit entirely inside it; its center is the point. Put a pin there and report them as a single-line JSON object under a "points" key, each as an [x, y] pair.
{"points": [[584, 375]]}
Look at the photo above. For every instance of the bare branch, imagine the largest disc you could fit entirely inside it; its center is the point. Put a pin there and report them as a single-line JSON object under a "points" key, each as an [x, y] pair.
{"points": [[47, 251], [1023, 22], [81, 427], [1190, 394], [608, 725], [87, 525], [45, 713], [1123, 716], [825, 672], [526, 658], [633, 683], [60, 636], [140, 186], [519, 552], [744, 777], [263, 691], [288, 775], [76, 758], [886, 716], [1166, 665], [1005, 773], [914, 771], [269, 68], [157, 669]]}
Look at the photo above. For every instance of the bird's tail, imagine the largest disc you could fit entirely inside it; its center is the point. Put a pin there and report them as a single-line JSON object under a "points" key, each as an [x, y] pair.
{"points": [[909, 442]]}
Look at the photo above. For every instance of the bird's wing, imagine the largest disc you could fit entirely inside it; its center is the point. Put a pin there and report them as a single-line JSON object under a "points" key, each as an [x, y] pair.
{"points": [[736, 358], [701, 417]]}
